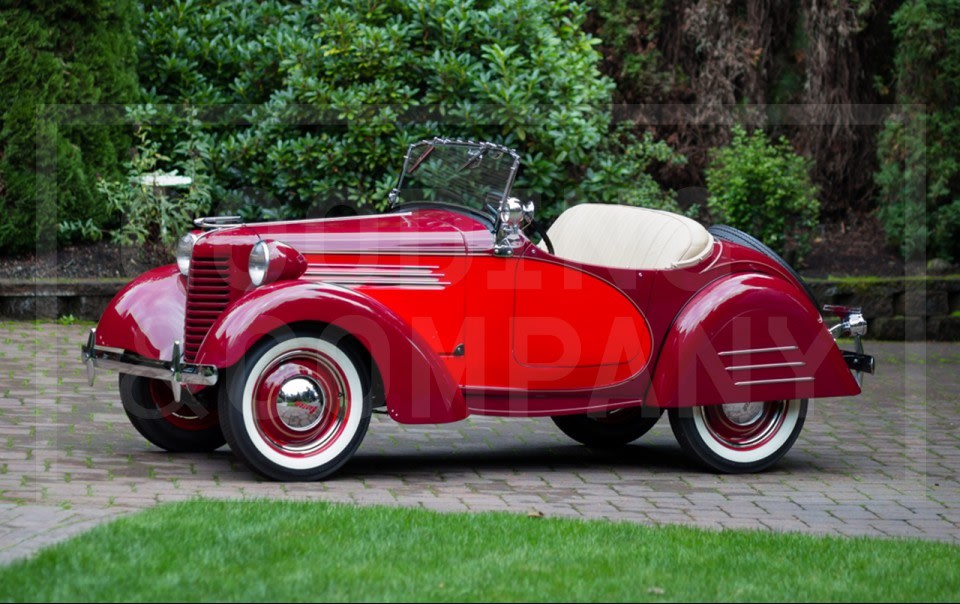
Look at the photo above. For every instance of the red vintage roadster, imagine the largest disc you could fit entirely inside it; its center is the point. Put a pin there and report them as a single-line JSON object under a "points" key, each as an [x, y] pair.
{"points": [[282, 338]]}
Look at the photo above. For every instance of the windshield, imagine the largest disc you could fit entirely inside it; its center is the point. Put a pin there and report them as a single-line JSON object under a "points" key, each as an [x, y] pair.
{"points": [[476, 175]]}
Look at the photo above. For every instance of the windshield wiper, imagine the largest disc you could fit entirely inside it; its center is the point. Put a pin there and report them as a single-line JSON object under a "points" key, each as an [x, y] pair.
{"points": [[421, 159], [473, 160]]}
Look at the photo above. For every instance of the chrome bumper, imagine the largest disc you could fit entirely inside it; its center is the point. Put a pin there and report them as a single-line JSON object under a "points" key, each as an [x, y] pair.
{"points": [[853, 324], [174, 371]]}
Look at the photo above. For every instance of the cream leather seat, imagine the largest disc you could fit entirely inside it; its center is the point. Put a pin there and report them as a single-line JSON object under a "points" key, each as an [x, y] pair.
{"points": [[629, 237]]}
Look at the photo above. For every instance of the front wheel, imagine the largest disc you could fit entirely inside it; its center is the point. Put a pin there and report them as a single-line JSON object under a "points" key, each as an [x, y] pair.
{"points": [[609, 428], [296, 407], [188, 426], [739, 438]]}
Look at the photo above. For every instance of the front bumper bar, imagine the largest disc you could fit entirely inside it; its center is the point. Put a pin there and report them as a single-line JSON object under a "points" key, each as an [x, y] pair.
{"points": [[174, 371]]}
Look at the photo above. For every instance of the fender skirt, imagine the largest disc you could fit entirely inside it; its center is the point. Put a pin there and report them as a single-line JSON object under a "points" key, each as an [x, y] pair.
{"points": [[748, 337], [417, 386]]}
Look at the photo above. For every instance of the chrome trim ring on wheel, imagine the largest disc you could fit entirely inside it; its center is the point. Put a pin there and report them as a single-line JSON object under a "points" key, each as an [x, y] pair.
{"points": [[302, 403], [746, 434]]}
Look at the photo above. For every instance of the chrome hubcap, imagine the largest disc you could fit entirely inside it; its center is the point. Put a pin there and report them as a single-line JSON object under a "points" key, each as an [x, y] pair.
{"points": [[300, 403], [743, 414]]}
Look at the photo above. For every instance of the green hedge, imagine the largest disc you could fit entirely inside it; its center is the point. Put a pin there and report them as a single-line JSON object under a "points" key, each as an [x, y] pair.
{"points": [[59, 53], [312, 103]]}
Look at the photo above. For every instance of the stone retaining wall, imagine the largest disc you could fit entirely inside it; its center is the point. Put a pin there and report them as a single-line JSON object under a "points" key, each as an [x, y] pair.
{"points": [[52, 299], [904, 308], [899, 308]]}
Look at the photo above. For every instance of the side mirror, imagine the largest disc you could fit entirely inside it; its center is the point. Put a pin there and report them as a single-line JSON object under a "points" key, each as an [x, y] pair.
{"points": [[529, 210], [512, 215]]}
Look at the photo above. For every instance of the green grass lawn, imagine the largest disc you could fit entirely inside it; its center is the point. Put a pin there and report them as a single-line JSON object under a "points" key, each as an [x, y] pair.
{"points": [[283, 551]]}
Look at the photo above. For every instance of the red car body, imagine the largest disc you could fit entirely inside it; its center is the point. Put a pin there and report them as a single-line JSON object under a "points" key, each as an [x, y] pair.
{"points": [[445, 327]]}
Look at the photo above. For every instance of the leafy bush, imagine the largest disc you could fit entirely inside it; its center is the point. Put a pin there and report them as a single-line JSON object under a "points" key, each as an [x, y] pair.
{"points": [[316, 100], [919, 147], [764, 189], [618, 171], [153, 214], [53, 54]]}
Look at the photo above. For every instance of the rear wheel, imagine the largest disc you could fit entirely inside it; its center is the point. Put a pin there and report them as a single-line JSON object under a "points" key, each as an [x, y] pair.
{"points": [[609, 428], [187, 426], [739, 437], [296, 407]]}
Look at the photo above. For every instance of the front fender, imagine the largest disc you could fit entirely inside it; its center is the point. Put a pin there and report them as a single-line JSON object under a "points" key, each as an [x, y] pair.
{"points": [[748, 337], [417, 386], [146, 316]]}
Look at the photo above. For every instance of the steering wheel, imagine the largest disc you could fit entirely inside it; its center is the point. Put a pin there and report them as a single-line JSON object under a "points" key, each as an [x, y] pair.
{"points": [[535, 227]]}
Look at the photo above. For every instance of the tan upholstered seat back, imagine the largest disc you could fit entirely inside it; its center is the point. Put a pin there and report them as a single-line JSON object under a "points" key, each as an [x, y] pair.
{"points": [[629, 237]]}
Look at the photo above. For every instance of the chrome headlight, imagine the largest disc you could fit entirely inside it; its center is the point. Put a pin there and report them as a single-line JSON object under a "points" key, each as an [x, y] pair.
{"points": [[184, 251], [273, 261], [259, 263]]}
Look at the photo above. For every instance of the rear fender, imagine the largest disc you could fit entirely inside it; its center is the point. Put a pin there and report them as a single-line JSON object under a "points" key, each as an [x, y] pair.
{"points": [[748, 337], [417, 386]]}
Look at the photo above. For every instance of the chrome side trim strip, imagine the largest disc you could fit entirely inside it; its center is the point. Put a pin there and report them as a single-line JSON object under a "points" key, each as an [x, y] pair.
{"points": [[370, 274], [352, 268], [778, 381], [766, 366], [727, 353], [453, 251], [378, 275], [385, 280]]}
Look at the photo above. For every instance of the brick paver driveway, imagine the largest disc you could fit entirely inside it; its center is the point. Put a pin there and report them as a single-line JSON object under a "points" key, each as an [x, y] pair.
{"points": [[885, 463]]}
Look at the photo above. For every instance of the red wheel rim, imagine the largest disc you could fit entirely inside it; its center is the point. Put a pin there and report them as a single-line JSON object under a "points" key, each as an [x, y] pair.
{"points": [[744, 426], [180, 414], [301, 402]]}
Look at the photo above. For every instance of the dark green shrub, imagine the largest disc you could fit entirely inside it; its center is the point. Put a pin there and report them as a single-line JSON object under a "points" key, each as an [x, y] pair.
{"points": [[325, 95], [52, 55], [919, 147], [630, 34], [618, 172], [764, 189]]}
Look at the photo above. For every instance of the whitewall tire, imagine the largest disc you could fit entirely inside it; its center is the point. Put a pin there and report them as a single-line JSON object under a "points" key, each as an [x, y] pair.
{"points": [[297, 406], [739, 437]]}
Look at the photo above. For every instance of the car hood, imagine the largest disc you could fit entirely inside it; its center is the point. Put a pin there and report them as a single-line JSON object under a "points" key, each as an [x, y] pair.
{"points": [[417, 232]]}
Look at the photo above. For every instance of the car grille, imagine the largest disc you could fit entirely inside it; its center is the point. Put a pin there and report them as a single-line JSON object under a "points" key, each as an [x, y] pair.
{"points": [[208, 294]]}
